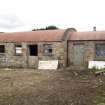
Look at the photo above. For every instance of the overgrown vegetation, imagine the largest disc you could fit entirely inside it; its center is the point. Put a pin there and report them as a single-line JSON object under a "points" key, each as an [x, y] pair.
{"points": [[97, 70], [100, 96]]}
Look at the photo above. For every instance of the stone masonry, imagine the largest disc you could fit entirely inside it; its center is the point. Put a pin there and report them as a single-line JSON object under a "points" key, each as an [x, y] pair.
{"points": [[89, 52], [9, 59]]}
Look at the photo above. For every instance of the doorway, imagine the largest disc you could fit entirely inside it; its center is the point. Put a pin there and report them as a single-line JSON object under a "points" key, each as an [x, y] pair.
{"points": [[78, 55]]}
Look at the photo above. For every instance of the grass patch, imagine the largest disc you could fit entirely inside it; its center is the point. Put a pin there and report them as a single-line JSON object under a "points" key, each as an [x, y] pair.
{"points": [[100, 97]]}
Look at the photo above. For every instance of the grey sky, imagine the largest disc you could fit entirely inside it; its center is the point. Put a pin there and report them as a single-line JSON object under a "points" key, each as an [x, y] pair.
{"points": [[9, 21], [23, 15]]}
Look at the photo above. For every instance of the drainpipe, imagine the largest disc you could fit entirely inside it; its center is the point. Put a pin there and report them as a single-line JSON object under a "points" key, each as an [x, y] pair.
{"points": [[27, 57]]}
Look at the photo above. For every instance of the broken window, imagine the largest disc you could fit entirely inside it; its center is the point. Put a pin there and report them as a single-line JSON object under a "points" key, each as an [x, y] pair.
{"points": [[18, 49], [2, 49], [100, 49], [33, 50], [47, 49]]}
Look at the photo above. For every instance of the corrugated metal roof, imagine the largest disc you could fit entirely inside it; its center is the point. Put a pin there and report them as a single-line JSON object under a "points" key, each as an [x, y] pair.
{"points": [[93, 35], [41, 35]]}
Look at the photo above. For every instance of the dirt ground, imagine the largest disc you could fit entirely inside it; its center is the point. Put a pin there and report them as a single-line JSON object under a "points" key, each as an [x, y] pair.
{"points": [[62, 87]]}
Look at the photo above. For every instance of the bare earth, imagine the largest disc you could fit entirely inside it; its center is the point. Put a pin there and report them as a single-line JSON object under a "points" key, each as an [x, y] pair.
{"points": [[62, 87]]}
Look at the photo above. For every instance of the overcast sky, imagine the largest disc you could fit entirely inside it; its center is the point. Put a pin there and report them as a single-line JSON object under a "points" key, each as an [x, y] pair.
{"points": [[24, 15]]}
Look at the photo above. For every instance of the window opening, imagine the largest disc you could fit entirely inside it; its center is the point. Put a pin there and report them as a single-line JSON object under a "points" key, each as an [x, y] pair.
{"points": [[2, 49], [33, 50]]}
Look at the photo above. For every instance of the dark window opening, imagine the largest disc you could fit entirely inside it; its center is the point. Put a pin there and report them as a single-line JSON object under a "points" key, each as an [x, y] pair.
{"points": [[100, 50], [48, 49], [33, 50], [18, 45], [2, 49]]}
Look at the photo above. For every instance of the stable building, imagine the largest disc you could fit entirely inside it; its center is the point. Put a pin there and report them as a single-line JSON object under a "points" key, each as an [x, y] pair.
{"points": [[84, 47], [26, 49], [71, 48]]}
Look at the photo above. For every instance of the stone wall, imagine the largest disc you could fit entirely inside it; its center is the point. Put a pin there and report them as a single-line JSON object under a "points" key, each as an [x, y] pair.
{"points": [[9, 59], [57, 54], [89, 52]]}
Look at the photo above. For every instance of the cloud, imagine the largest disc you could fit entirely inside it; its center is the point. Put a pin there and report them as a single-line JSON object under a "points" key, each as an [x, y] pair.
{"points": [[9, 22]]}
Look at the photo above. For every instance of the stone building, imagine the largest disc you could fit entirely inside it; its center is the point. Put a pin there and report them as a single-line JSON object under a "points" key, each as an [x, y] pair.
{"points": [[71, 48], [84, 47], [25, 49]]}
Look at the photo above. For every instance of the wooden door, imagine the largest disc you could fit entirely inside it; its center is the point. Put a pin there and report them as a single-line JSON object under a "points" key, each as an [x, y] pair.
{"points": [[78, 54]]}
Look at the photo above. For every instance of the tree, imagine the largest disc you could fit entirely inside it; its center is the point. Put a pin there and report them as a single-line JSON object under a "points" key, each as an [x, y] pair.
{"points": [[47, 28], [51, 28]]}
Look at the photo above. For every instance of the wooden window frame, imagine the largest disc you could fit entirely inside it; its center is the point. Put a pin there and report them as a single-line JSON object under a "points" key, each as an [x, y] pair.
{"points": [[17, 48], [48, 49], [97, 52]]}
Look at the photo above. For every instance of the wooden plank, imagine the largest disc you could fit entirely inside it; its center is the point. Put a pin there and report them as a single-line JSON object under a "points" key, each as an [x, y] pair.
{"points": [[50, 64]]}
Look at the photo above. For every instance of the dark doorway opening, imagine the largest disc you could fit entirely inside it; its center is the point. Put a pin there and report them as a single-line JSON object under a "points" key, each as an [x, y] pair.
{"points": [[33, 50]]}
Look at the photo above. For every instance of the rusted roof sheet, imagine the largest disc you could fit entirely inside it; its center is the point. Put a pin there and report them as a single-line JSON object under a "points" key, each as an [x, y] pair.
{"points": [[33, 36], [94, 35]]}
